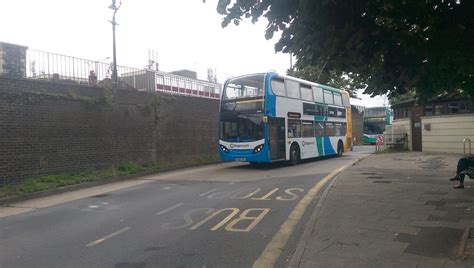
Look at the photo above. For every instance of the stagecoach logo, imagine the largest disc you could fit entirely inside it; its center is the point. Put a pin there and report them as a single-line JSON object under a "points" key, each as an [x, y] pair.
{"points": [[308, 143], [232, 146]]}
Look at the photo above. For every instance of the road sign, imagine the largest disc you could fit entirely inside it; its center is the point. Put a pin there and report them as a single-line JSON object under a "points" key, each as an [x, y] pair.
{"points": [[379, 141]]}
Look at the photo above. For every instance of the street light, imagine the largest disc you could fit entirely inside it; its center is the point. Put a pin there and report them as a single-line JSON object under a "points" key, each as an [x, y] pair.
{"points": [[114, 67]]}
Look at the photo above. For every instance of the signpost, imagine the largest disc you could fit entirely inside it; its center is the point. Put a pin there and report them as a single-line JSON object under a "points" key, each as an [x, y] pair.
{"points": [[379, 142]]}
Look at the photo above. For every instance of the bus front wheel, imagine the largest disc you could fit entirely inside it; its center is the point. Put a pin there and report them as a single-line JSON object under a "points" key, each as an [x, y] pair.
{"points": [[294, 155], [340, 148]]}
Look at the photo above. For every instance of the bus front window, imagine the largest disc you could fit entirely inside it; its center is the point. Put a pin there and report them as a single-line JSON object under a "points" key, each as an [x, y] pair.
{"points": [[244, 87], [241, 128]]}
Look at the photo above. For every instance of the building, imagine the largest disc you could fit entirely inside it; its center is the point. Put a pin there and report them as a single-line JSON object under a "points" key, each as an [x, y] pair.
{"points": [[439, 125], [12, 59]]}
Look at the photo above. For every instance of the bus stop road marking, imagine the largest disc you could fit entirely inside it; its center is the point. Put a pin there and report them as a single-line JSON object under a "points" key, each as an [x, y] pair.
{"points": [[275, 247], [169, 209], [100, 240]]}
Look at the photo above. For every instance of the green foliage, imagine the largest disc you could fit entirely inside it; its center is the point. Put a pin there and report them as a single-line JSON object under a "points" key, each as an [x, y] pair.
{"points": [[384, 46], [131, 168], [54, 181]]}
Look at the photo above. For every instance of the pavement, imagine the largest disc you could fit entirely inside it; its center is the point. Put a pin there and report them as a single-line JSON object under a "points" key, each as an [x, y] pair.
{"points": [[392, 210]]}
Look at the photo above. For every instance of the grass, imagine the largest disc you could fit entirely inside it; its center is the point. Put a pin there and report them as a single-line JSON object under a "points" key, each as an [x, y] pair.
{"points": [[48, 182]]}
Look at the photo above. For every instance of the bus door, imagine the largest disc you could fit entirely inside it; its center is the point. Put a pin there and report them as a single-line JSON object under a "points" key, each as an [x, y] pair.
{"points": [[276, 135]]}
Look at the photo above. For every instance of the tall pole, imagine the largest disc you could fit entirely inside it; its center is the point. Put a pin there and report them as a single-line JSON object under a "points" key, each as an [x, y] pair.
{"points": [[114, 64]]}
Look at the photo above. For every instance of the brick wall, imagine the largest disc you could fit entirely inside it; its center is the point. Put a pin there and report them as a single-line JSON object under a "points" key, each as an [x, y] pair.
{"points": [[48, 128]]}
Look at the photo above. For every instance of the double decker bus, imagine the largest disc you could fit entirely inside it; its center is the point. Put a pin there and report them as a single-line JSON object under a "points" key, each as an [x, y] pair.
{"points": [[268, 117], [375, 121]]}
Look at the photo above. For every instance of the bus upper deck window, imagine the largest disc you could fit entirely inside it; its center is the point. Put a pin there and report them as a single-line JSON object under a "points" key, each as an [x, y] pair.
{"points": [[278, 86], [328, 98], [318, 94]]}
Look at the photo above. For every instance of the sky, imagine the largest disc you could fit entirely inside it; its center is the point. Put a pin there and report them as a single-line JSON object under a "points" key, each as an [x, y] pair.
{"points": [[184, 34]]}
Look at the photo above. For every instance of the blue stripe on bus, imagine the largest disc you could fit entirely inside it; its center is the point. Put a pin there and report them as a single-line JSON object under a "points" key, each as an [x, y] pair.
{"points": [[328, 150], [270, 98]]}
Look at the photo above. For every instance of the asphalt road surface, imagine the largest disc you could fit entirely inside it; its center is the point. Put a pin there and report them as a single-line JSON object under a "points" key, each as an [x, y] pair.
{"points": [[222, 215]]}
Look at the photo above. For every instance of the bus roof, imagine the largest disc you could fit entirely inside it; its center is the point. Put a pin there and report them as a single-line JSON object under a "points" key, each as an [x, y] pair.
{"points": [[307, 82]]}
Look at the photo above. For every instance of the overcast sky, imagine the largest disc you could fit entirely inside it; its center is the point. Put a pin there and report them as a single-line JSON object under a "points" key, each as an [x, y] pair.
{"points": [[185, 34]]}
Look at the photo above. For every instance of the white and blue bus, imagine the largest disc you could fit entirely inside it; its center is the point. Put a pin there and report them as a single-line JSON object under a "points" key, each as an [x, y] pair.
{"points": [[268, 117]]}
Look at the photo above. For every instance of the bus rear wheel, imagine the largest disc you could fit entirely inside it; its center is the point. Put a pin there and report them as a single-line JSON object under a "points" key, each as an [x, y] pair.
{"points": [[340, 148], [294, 155]]}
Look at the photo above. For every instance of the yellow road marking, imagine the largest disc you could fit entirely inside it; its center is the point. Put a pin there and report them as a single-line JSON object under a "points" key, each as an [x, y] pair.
{"points": [[266, 197], [208, 192], [98, 241], [274, 249], [168, 209]]}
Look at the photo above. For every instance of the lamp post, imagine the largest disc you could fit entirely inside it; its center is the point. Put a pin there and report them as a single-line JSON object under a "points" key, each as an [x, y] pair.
{"points": [[114, 67]]}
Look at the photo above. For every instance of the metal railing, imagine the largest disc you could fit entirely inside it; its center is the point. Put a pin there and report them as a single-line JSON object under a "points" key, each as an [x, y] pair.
{"points": [[40, 65]]}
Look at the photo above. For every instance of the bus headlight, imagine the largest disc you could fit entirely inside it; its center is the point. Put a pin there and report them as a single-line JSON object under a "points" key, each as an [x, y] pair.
{"points": [[258, 149], [224, 149]]}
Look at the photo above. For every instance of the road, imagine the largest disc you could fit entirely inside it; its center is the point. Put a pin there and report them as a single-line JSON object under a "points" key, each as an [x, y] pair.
{"points": [[223, 215]]}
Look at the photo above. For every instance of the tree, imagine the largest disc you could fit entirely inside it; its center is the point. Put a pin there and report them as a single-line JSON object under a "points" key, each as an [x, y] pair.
{"points": [[384, 46]]}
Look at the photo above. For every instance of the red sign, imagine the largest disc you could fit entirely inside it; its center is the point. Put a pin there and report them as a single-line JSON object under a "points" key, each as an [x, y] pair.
{"points": [[379, 141]]}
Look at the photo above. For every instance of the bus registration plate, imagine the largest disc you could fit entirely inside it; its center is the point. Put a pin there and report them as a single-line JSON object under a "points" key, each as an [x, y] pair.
{"points": [[240, 159]]}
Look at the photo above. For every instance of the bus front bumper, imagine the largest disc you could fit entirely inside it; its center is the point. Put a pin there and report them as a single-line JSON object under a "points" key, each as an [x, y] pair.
{"points": [[246, 156]]}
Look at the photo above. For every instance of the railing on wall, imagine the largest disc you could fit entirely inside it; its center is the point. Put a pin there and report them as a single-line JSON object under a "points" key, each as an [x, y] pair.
{"points": [[40, 65]]}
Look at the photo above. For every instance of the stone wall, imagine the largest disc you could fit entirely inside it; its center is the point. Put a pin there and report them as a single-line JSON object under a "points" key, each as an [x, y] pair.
{"points": [[48, 128]]}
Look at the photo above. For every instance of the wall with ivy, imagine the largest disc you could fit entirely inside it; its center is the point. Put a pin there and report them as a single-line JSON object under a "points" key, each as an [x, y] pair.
{"points": [[47, 128]]}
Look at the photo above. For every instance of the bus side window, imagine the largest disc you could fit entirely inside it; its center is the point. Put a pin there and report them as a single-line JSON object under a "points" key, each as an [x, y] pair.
{"points": [[319, 129], [328, 97], [318, 94], [308, 129], [337, 99], [330, 129], [294, 128]]}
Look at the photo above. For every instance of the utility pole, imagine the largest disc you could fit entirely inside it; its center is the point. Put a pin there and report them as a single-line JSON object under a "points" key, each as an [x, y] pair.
{"points": [[114, 64]]}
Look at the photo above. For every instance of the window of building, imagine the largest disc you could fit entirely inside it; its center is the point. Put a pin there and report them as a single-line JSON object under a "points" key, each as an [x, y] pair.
{"points": [[319, 129], [306, 92], [318, 94], [293, 89], [464, 107], [428, 110], [328, 98], [438, 109], [453, 108], [294, 128], [278, 86], [308, 129]]}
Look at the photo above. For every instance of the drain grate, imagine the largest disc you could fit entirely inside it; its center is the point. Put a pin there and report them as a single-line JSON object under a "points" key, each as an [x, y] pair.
{"points": [[382, 181], [368, 173]]}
